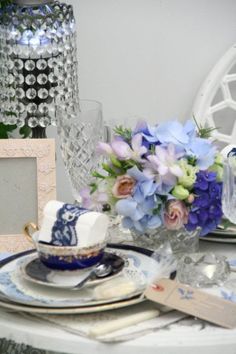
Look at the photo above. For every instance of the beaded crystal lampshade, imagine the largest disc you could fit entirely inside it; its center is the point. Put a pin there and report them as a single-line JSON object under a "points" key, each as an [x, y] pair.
{"points": [[38, 64]]}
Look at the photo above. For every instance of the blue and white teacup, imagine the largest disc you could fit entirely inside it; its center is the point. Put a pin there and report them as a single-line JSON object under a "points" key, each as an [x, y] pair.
{"points": [[65, 257], [70, 237]]}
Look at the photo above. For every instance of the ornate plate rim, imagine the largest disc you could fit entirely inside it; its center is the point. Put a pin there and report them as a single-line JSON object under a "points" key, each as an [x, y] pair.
{"points": [[127, 297]]}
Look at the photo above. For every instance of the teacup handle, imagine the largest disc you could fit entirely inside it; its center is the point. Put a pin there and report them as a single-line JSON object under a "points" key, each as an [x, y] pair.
{"points": [[29, 229]]}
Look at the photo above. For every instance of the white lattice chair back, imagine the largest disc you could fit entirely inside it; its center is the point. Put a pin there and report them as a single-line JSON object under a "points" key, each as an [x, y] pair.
{"points": [[215, 104]]}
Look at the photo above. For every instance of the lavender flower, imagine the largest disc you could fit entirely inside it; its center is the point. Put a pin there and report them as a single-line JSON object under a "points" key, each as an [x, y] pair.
{"points": [[165, 163], [123, 151], [93, 201]]}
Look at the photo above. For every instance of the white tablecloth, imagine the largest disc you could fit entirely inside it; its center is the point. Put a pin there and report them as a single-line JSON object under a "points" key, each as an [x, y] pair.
{"points": [[187, 336]]}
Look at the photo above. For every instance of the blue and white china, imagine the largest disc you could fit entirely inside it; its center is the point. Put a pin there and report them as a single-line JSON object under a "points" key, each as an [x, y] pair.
{"points": [[68, 257], [32, 269], [68, 225], [70, 237], [138, 267]]}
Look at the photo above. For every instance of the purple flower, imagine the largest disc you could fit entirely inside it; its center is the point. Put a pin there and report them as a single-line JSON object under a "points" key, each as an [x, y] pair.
{"points": [[206, 210], [215, 191], [203, 179], [201, 201]]}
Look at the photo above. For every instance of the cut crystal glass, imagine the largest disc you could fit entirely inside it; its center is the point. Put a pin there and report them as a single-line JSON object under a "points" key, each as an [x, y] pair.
{"points": [[229, 189], [181, 241], [80, 129], [203, 269]]}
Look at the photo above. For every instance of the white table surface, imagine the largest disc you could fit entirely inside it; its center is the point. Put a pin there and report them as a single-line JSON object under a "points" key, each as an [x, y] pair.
{"points": [[188, 336]]}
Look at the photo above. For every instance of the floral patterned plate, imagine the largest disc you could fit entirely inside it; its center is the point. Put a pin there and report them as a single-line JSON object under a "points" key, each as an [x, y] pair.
{"points": [[138, 269]]}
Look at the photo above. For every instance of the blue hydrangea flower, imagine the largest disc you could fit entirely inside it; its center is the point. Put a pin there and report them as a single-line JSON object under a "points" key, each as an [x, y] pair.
{"points": [[148, 134], [175, 132], [203, 151], [185, 139], [137, 210]]}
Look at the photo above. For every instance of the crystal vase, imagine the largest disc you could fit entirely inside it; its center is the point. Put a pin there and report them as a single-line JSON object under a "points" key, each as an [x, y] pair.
{"points": [[181, 241]]}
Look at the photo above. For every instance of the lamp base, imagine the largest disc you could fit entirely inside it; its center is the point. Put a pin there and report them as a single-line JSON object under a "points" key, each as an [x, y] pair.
{"points": [[38, 133]]}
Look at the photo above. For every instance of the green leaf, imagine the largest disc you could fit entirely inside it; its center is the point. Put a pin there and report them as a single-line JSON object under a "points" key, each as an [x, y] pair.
{"points": [[192, 160], [115, 161], [93, 187], [25, 131], [5, 129], [125, 133], [97, 175], [108, 169]]}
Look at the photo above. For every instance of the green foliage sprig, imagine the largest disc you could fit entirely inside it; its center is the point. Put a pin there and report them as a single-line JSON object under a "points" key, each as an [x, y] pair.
{"points": [[203, 132], [125, 133]]}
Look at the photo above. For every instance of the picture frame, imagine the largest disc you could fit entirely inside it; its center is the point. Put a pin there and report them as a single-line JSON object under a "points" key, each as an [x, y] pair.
{"points": [[27, 183]]}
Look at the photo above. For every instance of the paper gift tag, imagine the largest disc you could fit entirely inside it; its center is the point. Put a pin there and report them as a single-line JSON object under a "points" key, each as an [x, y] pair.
{"points": [[193, 302]]}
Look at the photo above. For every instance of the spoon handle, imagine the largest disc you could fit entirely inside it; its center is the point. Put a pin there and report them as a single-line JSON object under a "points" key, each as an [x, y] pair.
{"points": [[84, 281]]}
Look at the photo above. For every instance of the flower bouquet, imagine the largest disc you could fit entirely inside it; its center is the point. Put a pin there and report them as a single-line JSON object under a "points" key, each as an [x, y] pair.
{"points": [[167, 175]]}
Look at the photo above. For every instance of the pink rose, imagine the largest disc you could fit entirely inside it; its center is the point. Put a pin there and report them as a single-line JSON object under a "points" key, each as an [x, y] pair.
{"points": [[123, 186], [175, 215]]}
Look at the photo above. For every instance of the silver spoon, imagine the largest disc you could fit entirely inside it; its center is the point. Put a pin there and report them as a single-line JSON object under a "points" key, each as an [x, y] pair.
{"points": [[101, 271]]}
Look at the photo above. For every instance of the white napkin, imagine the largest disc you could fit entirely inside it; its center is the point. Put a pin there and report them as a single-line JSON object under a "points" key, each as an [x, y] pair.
{"points": [[70, 225], [115, 325]]}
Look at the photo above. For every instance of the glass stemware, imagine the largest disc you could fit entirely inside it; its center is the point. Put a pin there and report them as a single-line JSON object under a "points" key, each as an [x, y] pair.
{"points": [[80, 128], [229, 189]]}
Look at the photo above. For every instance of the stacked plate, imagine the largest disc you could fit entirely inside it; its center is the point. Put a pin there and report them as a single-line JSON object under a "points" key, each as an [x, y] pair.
{"points": [[222, 234], [27, 285]]}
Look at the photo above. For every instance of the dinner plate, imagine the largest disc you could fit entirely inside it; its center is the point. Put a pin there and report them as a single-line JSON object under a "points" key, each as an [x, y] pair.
{"points": [[32, 269], [229, 233], [139, 267], [72, 310], [218, 238]]}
